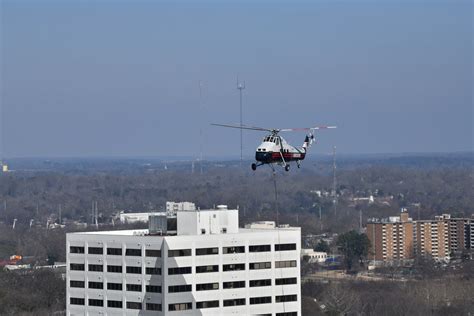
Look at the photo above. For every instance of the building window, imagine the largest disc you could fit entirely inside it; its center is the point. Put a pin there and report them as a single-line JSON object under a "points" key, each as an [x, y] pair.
{"points": [[77, 301], [114, 251], [114, 286], [75, 249], [134, 287], [260, 265], [153, 253], [96, 267], [234, 302], [285, 247], [264, 282], [114, 304], [238, 249], [181, 270], [114, 269], [77, 266], [153, 307], [95, 250], [133, 252], [285, 298], [96, 285], [285, 281], [205, 269], [260, 300], [134, 270], [156, 271], [259, 248], [207, 304], [93, 302], [180, 306], [179, 253], [287, 314], [207, 286], [134, 305], [285, 264], [179, 288], [233, 267], [207, 251], [233, 285], [74, 283], [153, 289]]}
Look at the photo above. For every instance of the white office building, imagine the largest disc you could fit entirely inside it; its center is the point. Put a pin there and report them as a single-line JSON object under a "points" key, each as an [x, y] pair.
{"points": [[207, 266]]}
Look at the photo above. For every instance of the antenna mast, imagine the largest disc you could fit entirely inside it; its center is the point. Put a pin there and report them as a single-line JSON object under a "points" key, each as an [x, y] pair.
{"points": [[334, 181], [240, 87], [200, 128]]}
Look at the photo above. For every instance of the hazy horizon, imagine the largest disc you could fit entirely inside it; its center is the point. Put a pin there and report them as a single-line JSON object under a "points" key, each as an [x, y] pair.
{"points": [[121, 79]]}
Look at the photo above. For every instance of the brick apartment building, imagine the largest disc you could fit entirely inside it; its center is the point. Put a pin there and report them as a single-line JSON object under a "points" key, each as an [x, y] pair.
{"points": [[399, 238]]}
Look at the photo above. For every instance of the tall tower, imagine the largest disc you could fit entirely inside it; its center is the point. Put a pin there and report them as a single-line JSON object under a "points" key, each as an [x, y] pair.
{"points": [[200, 127], [240, 87], [334, 181]]}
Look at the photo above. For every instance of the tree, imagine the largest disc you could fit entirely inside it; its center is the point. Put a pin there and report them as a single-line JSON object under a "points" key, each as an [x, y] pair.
{"points": [[322, 246], [353, 246]]}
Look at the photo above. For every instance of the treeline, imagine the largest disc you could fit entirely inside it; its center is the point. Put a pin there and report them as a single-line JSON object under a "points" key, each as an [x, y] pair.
{"points": [[40, 195], [32, 293], [447, 296]]}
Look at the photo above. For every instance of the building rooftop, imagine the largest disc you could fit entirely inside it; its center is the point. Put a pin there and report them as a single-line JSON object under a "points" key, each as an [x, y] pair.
{"points": [[196, 222]]}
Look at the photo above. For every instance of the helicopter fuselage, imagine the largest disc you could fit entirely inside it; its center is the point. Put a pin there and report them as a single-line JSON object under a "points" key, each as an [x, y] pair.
{"points": [[275, 149]]}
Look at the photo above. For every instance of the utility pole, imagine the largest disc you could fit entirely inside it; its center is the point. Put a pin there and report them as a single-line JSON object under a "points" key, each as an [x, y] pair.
{"points": [[360, 221], [320, 220], [240, 87], [59, 211]]}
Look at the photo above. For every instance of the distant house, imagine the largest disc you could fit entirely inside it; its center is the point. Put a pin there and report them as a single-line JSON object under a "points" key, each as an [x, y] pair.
{"points": [[313, 256]]}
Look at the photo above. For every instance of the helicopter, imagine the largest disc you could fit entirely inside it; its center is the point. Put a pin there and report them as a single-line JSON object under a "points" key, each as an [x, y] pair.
{"points": [[274, 149]]}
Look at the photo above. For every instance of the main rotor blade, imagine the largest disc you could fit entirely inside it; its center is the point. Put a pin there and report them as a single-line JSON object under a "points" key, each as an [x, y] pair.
{"points": [[305, 128], [244, 127]]}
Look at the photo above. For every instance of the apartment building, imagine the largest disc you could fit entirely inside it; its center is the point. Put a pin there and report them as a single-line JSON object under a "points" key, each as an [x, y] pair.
{"points": [[207, 266], [399, 237], [391, 238]]}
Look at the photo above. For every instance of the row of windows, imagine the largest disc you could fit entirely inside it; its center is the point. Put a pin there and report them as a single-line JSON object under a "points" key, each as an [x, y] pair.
{"points": [[135, 252], [116, 286], [189, 305], [183, 288], [181, 252], [184, 270], [115, 304], [114, 269]]}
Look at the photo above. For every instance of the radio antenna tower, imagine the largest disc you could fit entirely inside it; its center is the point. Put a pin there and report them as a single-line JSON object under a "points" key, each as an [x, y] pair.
{"points": [[334, 181], [240, 87], [200, 127]]}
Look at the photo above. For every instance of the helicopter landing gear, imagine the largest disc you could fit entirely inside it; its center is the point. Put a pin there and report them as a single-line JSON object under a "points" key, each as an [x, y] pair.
{"points": [[254, 166], [287, 167], [298, 164]]}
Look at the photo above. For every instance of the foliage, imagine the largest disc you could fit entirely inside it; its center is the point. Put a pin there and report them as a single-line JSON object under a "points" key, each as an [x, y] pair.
{"points": [[353, 246], [322, 246], [35, 292]]}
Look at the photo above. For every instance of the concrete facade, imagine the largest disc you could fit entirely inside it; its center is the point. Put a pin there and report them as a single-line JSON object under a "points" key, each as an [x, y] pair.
{"points": [[205, 270]]}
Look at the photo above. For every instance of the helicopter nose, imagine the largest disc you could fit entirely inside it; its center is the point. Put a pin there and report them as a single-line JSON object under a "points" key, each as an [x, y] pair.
{"points": [[263, 156]]}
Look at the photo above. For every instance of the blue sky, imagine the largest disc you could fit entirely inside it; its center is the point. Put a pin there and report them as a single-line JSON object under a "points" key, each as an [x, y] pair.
{"points": [[121, 78]]}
